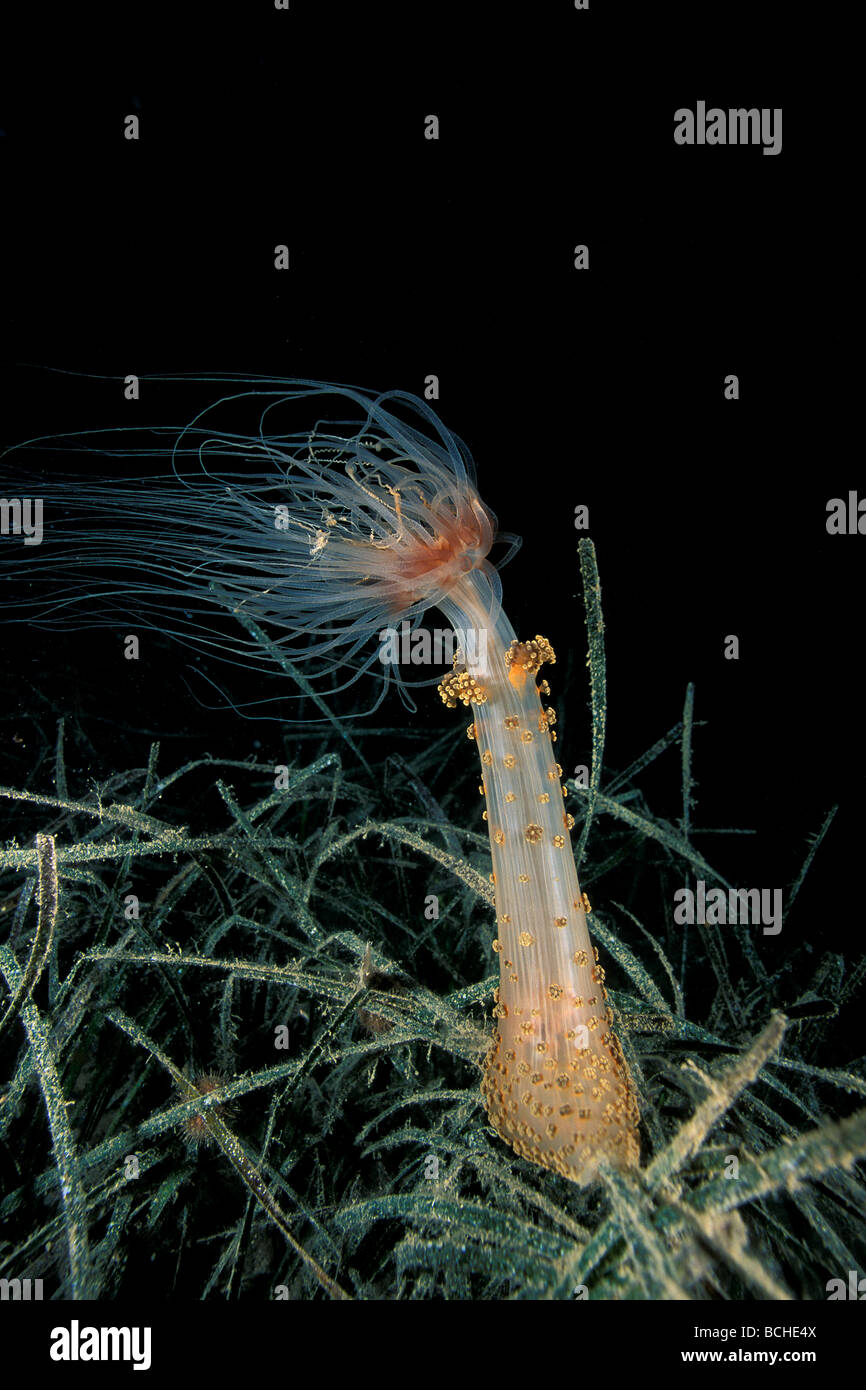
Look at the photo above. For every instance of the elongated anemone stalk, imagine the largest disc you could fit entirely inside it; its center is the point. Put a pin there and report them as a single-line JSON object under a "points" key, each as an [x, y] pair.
{"points": [[354, 526], [556, 1085]]}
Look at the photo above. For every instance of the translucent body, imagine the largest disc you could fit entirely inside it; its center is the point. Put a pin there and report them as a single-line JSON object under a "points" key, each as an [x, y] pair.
{"points": [[556, 1085]]}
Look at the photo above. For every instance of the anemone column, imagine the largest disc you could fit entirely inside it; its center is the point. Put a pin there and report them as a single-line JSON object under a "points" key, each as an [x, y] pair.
{"points": [[556, 1085]]}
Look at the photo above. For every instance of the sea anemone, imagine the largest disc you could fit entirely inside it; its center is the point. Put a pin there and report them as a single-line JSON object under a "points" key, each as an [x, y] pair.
{"points": [[199, 1125], [354, 526]]}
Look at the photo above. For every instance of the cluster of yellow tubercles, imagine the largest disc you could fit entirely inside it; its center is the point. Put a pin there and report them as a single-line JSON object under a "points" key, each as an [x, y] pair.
{"points": [[585, 1104], [460, 686], [530, 656]]}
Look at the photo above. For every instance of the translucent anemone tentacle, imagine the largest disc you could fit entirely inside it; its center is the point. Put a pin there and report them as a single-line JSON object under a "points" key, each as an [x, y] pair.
{"points": [[322, 512]]}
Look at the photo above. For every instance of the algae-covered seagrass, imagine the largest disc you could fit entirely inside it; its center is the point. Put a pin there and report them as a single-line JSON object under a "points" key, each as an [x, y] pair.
{"points": [[279, 971]]}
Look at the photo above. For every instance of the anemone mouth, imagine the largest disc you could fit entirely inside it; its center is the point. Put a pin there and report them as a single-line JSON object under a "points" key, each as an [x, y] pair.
{"points": [[427, 567]]}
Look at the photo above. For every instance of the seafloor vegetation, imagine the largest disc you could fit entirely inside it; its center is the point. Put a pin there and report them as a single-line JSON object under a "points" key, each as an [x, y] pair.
{"points": [[247, 1001]]}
